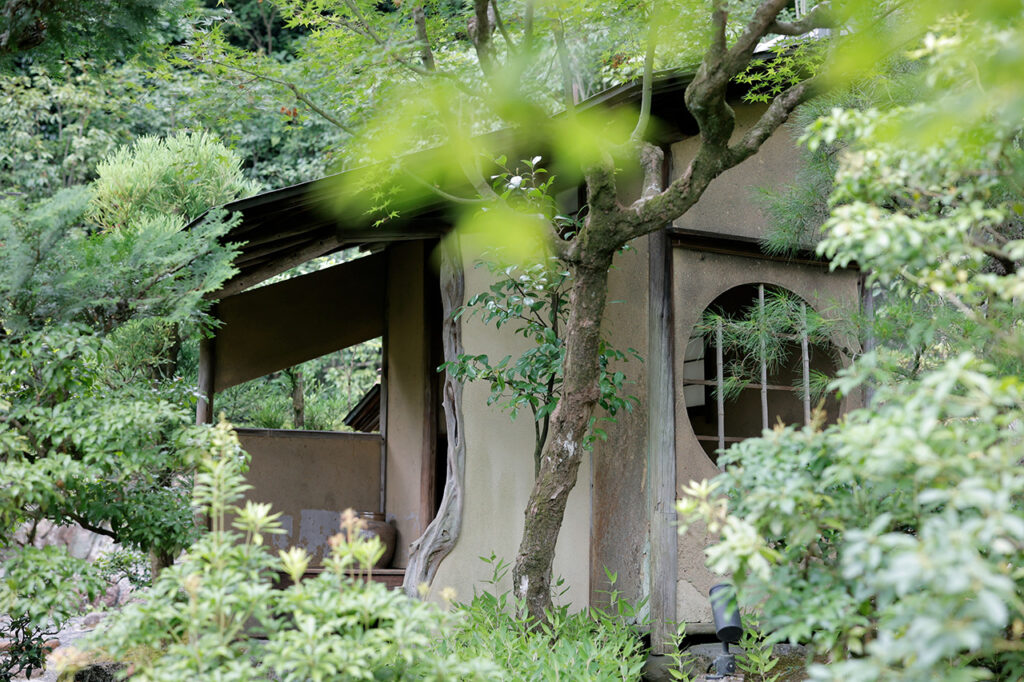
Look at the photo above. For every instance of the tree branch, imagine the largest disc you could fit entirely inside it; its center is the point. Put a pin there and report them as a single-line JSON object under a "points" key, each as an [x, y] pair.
{"points": [[99, 530], [819, 17], [501, 28], [563, 62], [719, 19], [713, 157], [777, 114], [645, 88], [299, 94], [651, 160], [480, 33], [441, 193], [528, 26], [361, 19], [738, 56]]}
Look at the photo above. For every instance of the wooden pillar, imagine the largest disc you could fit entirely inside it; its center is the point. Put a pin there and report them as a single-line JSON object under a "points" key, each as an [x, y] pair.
{"points": [[384, 392], [207, 368], [661, 451], [432, 358]]}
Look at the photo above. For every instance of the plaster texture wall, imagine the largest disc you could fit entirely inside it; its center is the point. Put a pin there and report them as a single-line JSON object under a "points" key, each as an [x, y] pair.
{"points": [[699, 277], [730, 206], [311, 477], [499, 477], [619, 535]]}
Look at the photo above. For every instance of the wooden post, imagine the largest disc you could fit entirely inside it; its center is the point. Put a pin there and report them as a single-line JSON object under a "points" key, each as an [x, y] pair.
{"points": [[432, 357], [207, 368], [384, 382], [720, 379], [870, 342], [806, 358], [764, 360], [661, 451]]}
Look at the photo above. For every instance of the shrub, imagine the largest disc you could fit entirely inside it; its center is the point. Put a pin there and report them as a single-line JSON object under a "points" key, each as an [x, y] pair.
{"points": [[181, 175], [590, 645], [216, 614]]}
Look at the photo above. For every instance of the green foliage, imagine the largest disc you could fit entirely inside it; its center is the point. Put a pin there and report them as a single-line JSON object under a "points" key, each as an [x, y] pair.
{"points": [[58, 122], [798, 210], [94, 421], [55, 124], [757, 660], [257, 26], [766, 334], [181, 175], [218, 615], [588, 645], [56, 269], [39, 589], [72, 453], [893, 541], [792, 61], [124, 563], [332, 384], [65, 29]]}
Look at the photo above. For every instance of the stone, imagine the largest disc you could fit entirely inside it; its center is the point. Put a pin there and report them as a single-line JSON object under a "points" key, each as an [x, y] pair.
{"points": [[99, 672], [792, 665], [656, 669], [91, 620]]}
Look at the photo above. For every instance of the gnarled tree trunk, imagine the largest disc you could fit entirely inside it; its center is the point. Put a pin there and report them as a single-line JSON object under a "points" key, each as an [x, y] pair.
{"points": [[563, 451]]}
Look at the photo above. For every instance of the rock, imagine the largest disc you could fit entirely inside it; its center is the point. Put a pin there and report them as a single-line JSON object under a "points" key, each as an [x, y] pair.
{"points": [[99, 672], [656, 669], [92, 620], [792, 665]]}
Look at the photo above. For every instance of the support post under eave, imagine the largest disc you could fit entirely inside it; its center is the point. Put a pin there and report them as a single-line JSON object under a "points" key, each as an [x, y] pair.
{"points": [[438, 540], [661, 450], [207, 368]]}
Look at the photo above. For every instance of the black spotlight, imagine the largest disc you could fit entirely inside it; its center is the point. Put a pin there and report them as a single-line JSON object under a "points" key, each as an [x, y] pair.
{"points": [[727, 626]]}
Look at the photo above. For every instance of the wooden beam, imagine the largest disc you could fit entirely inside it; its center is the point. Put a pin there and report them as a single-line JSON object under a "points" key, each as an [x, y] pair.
{"points": [[756, 386], [275, 267], [722, 439]]}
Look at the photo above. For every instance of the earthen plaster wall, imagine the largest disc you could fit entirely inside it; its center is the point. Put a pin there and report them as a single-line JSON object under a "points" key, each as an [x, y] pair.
{"points": [[311, 477], [730, 205], [619, 536], [499, 477]]}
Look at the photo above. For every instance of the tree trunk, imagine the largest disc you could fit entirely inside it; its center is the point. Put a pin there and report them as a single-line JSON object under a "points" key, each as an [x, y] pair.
{"points": [[298, 399], [570, 422]]}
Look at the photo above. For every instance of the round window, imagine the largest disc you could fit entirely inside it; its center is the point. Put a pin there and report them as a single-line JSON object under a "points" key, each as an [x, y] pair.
{"points": [[759, 356]]}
